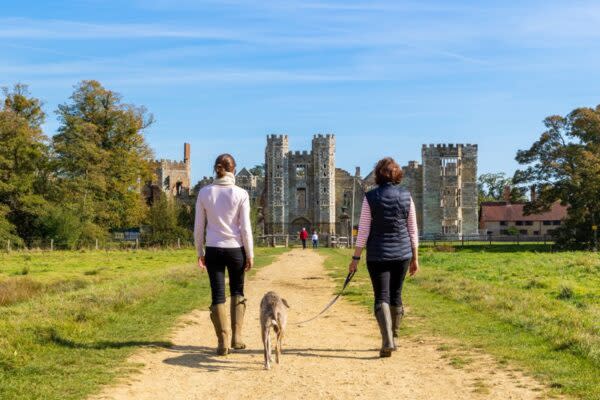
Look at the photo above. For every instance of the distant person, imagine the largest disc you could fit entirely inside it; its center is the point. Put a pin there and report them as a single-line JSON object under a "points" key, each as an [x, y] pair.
{"points": [[315, 239], [223, 214], [388, 228], [303, 237]]}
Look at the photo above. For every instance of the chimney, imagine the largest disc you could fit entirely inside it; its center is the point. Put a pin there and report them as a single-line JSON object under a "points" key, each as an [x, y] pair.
{"points": [[357, 171], [532, 193], [506, 194], [186, 153]]}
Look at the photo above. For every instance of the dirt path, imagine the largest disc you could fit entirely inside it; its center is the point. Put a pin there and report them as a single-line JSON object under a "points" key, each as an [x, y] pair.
{"points": [[333, 357]]}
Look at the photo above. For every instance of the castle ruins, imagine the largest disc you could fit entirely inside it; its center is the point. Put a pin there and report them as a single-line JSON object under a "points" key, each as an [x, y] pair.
{"points": [[305, 189]]}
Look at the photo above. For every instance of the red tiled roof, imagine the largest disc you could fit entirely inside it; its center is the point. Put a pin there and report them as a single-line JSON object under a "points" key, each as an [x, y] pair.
{"points": [[514, 212]]}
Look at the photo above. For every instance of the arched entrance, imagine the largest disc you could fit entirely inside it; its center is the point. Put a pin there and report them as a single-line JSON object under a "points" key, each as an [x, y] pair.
{"points": [[297, 225]]}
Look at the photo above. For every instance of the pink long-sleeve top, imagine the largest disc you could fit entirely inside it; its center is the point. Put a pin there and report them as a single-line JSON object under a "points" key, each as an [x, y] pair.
{"points": [[364, 224], [223, 215]]}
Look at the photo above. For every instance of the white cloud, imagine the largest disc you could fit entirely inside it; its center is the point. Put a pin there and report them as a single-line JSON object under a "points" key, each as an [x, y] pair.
{"points": [[23, 28]]}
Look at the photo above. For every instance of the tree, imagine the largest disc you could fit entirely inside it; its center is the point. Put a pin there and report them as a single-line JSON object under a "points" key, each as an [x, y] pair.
{"points": [[18, 101], [258, 170], [564, 165], [7, 230], [491, 188], [164, 223], [102, 157], [23, 161]]}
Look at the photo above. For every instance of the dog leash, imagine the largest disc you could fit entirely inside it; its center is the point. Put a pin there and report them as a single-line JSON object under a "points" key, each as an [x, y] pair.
{"points": [[332, 302]]}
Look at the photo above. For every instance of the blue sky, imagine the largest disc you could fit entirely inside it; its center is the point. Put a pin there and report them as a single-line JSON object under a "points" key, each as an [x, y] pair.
{"points": [[384, 76]]}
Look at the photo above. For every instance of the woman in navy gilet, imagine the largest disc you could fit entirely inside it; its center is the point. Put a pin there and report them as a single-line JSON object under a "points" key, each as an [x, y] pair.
{"points": [[388, 230]]}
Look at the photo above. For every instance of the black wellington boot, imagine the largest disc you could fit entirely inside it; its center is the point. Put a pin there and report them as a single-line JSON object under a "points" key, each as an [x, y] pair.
{"points": [[397, 315], [384, 319]]}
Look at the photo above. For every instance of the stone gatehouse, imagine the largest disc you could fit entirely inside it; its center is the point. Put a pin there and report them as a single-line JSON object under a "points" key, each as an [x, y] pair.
{"points": [[305, 189]]}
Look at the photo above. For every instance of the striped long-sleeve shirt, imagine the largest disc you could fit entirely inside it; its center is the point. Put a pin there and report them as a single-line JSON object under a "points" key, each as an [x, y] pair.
{"points": [[364, 225]]}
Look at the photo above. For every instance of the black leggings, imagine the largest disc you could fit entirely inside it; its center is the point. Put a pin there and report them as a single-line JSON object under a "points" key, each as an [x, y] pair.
{"points": [[217, 259], [387, 278]]}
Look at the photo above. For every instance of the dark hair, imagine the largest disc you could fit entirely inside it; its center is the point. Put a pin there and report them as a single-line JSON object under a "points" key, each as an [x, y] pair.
{"points": [[387, 170], [223, 164]]}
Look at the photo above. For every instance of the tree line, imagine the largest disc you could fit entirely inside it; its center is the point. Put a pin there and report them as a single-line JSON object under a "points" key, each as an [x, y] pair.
{"points": [[86, 179]]}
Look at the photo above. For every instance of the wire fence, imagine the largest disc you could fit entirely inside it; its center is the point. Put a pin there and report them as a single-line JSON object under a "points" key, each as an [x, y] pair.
{"points": [[466, 240], [276, 240], [50, 244]]}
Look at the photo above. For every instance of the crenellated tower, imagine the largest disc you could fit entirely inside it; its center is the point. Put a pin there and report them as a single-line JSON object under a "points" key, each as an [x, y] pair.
{"points": [[450, 189], [276, 183], [323, 155]]}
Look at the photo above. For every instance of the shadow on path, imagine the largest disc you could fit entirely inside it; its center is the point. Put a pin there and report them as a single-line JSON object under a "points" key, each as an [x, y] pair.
{"points": [[202, 357]]}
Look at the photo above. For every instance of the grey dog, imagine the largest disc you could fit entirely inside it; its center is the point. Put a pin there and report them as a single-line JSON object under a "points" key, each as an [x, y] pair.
{"points": [[273, 313]]}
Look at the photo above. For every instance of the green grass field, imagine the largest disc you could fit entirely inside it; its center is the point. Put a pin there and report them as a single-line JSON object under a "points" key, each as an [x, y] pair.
{"points": [[68, 320], [536, 310]]}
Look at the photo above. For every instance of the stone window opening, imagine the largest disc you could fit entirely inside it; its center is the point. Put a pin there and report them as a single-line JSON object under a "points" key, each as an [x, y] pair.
{"points": [[451, 227], [178, 188], [449, 166], [301, 171]]}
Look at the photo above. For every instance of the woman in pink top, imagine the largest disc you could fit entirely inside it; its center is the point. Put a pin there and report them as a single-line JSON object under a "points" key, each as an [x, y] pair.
{"points": [[388, 230], [222, 225]]}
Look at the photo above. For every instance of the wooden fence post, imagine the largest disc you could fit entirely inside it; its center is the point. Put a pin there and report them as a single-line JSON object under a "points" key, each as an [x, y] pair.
{"points": [[137, 243], [51, 244], [8, 245], [178, 243], [96, 244]]}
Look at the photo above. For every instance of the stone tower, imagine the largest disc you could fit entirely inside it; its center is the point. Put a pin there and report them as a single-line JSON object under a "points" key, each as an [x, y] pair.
{"points": [[323, 154], [450, 189], [300, 186], [276, 183]]}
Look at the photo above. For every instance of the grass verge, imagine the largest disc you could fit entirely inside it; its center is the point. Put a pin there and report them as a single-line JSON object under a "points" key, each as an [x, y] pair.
{"points": [[69, 330], [510, 303]]}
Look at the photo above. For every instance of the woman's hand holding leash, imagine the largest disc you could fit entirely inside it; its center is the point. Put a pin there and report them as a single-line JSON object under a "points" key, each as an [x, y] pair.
{"points": [[202, 263], [353, 266], [355, 259]]}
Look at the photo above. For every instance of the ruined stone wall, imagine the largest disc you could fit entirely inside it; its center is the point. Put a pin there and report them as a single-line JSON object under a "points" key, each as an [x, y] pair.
{"points": [[172, 178], [413, 181], [449, 189], [470, 205], [344, 184]]}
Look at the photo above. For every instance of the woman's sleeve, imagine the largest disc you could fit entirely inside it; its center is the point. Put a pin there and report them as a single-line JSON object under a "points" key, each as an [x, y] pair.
{"points": [[246, 227], [413, 229], [364, 224], [199, 227]]}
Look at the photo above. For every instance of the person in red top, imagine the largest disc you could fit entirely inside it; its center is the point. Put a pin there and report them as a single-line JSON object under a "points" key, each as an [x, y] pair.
{"points": [[303, 237]]}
